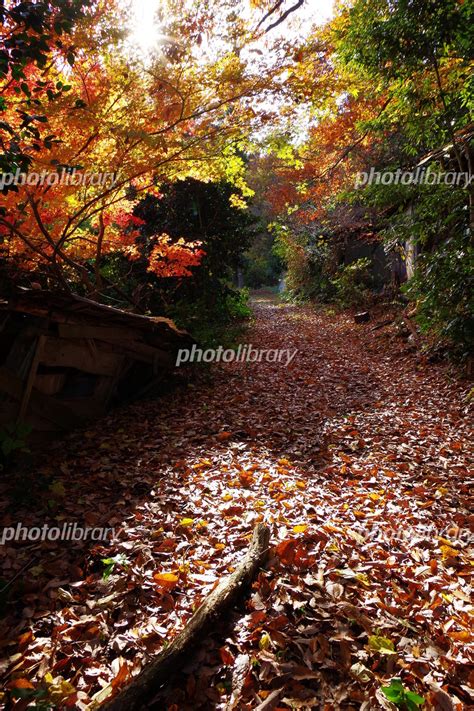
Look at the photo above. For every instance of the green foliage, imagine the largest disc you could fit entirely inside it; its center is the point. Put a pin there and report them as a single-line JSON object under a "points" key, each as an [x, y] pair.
{"points": [[262, 267], [221, 325], [119, 560], [426, 214], [236, 304], [352, 283], [435, 219], [403, 47], [205, 303], [307, 258], [401, 697], [442, 288]]}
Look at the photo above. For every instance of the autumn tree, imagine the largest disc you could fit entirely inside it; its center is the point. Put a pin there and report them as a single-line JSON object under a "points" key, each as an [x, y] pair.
{"points": [[173, 117], [36, 39]]}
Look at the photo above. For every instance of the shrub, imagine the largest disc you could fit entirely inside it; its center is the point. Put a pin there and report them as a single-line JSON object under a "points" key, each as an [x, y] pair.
{"points": [[442, 288], [352, 283]]}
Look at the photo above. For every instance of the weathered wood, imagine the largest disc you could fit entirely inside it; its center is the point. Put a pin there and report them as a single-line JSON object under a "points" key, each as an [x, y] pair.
{"points": [[143, 687], [49, 383], [101, 333], [73, 354], [145, 353], [31, 378], [362, 317], [47, 407], [382, 324], [80, 337]]}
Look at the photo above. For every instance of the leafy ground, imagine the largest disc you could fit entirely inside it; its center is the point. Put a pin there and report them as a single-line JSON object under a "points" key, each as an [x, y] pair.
{"points": [[356, 456]]}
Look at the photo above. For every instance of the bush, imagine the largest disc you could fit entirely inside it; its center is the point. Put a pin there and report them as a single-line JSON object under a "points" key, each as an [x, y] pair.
{"points": [[442, 288], [216, 324], [307, 258], [352, 283]]}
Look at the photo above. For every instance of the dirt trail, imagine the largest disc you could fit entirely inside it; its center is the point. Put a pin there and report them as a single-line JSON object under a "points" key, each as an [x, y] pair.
{"points": [[356, 455]]}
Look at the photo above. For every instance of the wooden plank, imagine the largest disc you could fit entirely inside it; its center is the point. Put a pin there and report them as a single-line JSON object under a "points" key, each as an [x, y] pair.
{"points": [[43, 405], [31, 378], [80, 355], [102, 333], [147, 354], [49, 383], [21, 355], [86, 408], [104, 390]]}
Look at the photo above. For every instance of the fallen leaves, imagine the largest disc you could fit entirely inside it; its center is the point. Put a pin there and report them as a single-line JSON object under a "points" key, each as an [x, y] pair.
{"points": [[369, 577]]}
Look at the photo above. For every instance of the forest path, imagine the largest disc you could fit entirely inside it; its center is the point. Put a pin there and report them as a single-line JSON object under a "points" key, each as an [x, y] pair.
{"points": [[356, 456]]}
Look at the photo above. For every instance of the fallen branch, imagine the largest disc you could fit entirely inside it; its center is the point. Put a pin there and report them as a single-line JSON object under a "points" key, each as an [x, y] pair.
{"points": [[387, 322], [143, 687]]}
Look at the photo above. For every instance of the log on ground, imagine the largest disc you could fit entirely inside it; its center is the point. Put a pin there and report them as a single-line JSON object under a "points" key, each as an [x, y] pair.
{"points": [[143, 687]]}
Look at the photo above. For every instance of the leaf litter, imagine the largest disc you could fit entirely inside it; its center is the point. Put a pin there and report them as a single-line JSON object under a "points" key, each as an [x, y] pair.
{"points": [[357, 456]]}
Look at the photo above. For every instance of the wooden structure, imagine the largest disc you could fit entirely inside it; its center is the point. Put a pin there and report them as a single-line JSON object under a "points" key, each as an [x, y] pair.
{"points": [[65, 359]]}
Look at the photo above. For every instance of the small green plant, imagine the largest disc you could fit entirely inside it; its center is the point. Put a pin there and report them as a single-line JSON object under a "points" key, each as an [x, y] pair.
{"points": [[236, 304], [401, 697], [110, 563], [13, 438]]}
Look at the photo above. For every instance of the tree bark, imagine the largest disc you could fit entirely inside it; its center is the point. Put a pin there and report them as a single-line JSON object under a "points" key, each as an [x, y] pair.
{"points": [[143, 687]]}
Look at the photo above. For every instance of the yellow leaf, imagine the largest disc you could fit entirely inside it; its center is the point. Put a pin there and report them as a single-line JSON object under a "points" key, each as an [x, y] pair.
{"points": [[448, 552], [186, 522], [381, 644], [167, 581], [364, 579], [301, 528], [265, 641], [59, 690]]}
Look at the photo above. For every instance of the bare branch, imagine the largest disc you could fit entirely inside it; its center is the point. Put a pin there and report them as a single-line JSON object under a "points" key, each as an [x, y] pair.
{"points": [[281, 19]]}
